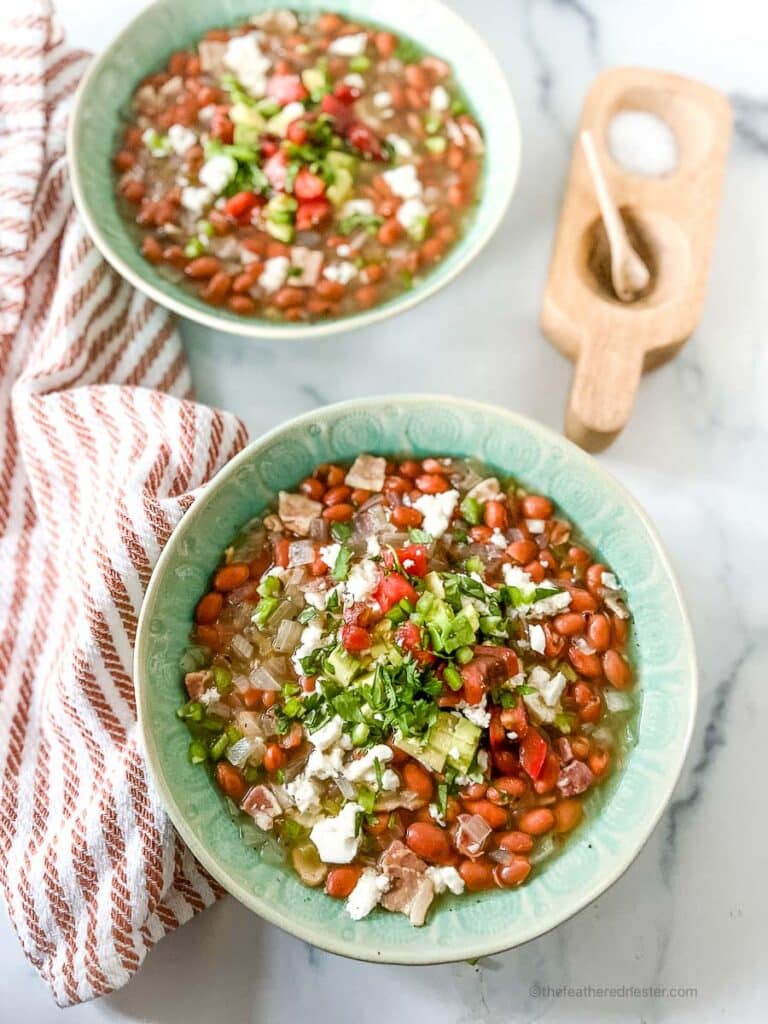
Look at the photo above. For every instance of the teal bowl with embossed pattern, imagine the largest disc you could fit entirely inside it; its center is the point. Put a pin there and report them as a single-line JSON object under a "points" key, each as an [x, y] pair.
{"points": [[165, 26], [620, 816]]}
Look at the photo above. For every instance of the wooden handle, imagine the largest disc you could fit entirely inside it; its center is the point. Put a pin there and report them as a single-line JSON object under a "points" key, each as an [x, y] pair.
{"points": [[603, 392]]}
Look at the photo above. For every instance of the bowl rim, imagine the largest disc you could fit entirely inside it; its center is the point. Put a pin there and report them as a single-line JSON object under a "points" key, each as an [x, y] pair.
{"points": [[477, 947], [264, 329]]}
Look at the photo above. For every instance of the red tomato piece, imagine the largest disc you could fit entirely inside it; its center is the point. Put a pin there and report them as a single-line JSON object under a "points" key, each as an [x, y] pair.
{"points": [[276, 170], [533, 752], [285, 89], [362, 137], [297, 132], [341, 112], [312, 212], [346, 93], [413, 558], [308, 185], [355, 638], [240, 204], [408, 636], [392, 589]]}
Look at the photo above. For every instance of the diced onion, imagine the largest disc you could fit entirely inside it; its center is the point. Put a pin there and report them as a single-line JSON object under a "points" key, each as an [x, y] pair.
{"points": [[285, 610], [543, 849], [288, 635], [242, 683], [347, 789], [263, 679], [616, 701], [241, 646], [318, 529], [604, 736], [501, 856], [371, 521], [239, 752], [301, 552]]}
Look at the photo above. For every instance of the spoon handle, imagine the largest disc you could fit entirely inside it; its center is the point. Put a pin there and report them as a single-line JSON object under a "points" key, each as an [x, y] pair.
{"points": [[608, 370]]}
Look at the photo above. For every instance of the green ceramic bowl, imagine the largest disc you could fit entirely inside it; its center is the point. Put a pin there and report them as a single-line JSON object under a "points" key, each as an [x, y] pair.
{"points": [[620, 816], [169, 25]]}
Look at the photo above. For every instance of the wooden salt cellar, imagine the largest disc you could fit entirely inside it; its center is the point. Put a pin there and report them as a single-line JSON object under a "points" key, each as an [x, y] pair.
{"points": [[671, 221]]}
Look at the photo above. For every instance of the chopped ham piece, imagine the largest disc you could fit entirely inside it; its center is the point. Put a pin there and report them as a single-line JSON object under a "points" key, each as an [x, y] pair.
{"points": [[411, 891], [197, 683], [211, 53], [262, 805], [472, 833], [564, 749], [405, 798], [574, 778], [309, 262], [297, 512], [367, 473]]}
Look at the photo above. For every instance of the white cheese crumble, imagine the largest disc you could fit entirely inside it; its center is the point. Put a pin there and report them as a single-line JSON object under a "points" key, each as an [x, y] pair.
{"points": [[243, 56], [437, 510], [553, 605], [217, 172], [537, 638], [196, 199], [181, 138], [403, 181], [342, 273], [439, 99], [304, 793], [370, 887], [361, 206], [478, 714], [349, 46], [362, 581], [363, 769], [536, 525], [486, 490], [274, 273], [498, 540], [354, 80], [311, 639], [516, 577], [382, 100], [324, 764], [412, 214], [327, 734], [329, 554], [335, 838], [445, 878], [401, 146]]}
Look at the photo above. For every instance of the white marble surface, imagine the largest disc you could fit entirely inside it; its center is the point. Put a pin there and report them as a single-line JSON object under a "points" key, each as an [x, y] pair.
{"points": [[693, 909]]}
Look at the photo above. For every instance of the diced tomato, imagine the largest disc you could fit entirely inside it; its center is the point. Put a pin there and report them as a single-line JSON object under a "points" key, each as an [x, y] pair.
{"points": [[408, 636], [392, 589], [341, 112], [515, 719], [311, 213], [533, 752], [413, 558], [282, 552], [308, 185], [297, 132], [269, 147], [504, 654], [346, 93], [549, 774], [355, 638], [474, 682], [240, 204], [276, 170], [286, 89], [362, 137]]}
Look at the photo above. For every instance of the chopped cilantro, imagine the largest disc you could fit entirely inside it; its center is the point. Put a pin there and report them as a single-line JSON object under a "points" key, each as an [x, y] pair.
{"points": [[340, 569]]}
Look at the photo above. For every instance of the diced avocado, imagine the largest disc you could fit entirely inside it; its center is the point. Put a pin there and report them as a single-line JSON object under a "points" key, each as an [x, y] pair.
{"points": [[246, 135], [278, 123], [452, 739], [466, 736], [278, 214], [282, 232], [337, 159], [434, 584], [239, 113], [343, 666], [341, 187], [433, 759], [313, 79], [366, 679]]}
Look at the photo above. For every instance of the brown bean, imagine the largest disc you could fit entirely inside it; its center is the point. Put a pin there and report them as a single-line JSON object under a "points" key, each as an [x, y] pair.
{"points": [[338, 513], [390, 231], [341, 881], [241, 304], [535, 506], [288, 297], [512, 873], [536, 821], [516, 842], [332, 290], [202, 267], [568, 814], [151, 249], [522, 551], [360, 496], [595, 579], [418, 780], [337, 495], [385, 43], [313, 488], [366, 296], [581, 601], [474, 791], [430, 842], [569, 624], [405, 515], [208, 608], [432, 483], [477, 874], [493, 814], [416, 76], [510, 785], [599, 632], [231, 781], [587, 665], [231, 576], [217, 289], [616, 669]]}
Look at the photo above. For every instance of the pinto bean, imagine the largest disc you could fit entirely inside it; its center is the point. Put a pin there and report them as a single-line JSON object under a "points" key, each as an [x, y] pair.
{"points": [[617, 671], [231, 576], [522, 551], [430, 842], [587, 665], [341, 881], [432, 483], [202, 267], [208, 608], [385, 43], [516, 842], [495, 515], [477, 874], [231, 781], [594, 578], [151, 249], [241, 304], [217, 289], [288, 297], [512, 873], [569, 624], [536, 821], [418, 780], [366, 296], [599, 632], [339, 513], [492, 813], [568, 814], [405, 515], [535, 506], [582, 601], [336, 495]]}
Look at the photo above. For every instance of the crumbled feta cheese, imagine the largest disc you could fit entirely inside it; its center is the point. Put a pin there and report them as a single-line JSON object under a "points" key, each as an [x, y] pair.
{"points": [[367, 472], [486, 490], [367, 893], [435, 815], [349, 46], [478, 714], [327, 734], [550, 687], [217, 172], [537, 638], [181, 138], [244, 56], [553, 605], [483, 760], [207, 112], [364, 207], [324, 764], [274, 273], [363, 769], [342, 272], [445, 878], [437, 510], [373, 548], [382, 100], [401, 146], [355, 80], [403, 181], [311, 639], [498, 539], [439, 99], [536, 525], [412, 214], [329, 553], [335, 838], [209, 696], [304, 793], [362, 581], [196, 199], [516, 577]]}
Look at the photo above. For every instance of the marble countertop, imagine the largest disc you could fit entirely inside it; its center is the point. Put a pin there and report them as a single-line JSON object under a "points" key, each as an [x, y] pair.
{"points": [[692, 912]]}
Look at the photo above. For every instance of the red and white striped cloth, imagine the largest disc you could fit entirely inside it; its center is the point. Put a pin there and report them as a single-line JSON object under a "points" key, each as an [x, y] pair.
{"points": [[100, 454]]}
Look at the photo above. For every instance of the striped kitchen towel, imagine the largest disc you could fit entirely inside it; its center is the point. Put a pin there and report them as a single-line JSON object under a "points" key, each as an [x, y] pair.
{"points": [[100, 454]]}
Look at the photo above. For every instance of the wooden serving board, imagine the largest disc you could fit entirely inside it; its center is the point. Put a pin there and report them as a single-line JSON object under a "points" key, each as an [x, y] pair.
{"points": [[671, 221]]}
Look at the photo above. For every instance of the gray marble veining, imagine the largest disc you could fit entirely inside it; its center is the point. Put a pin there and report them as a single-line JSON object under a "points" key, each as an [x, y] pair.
{"points": [[692, 911]]}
